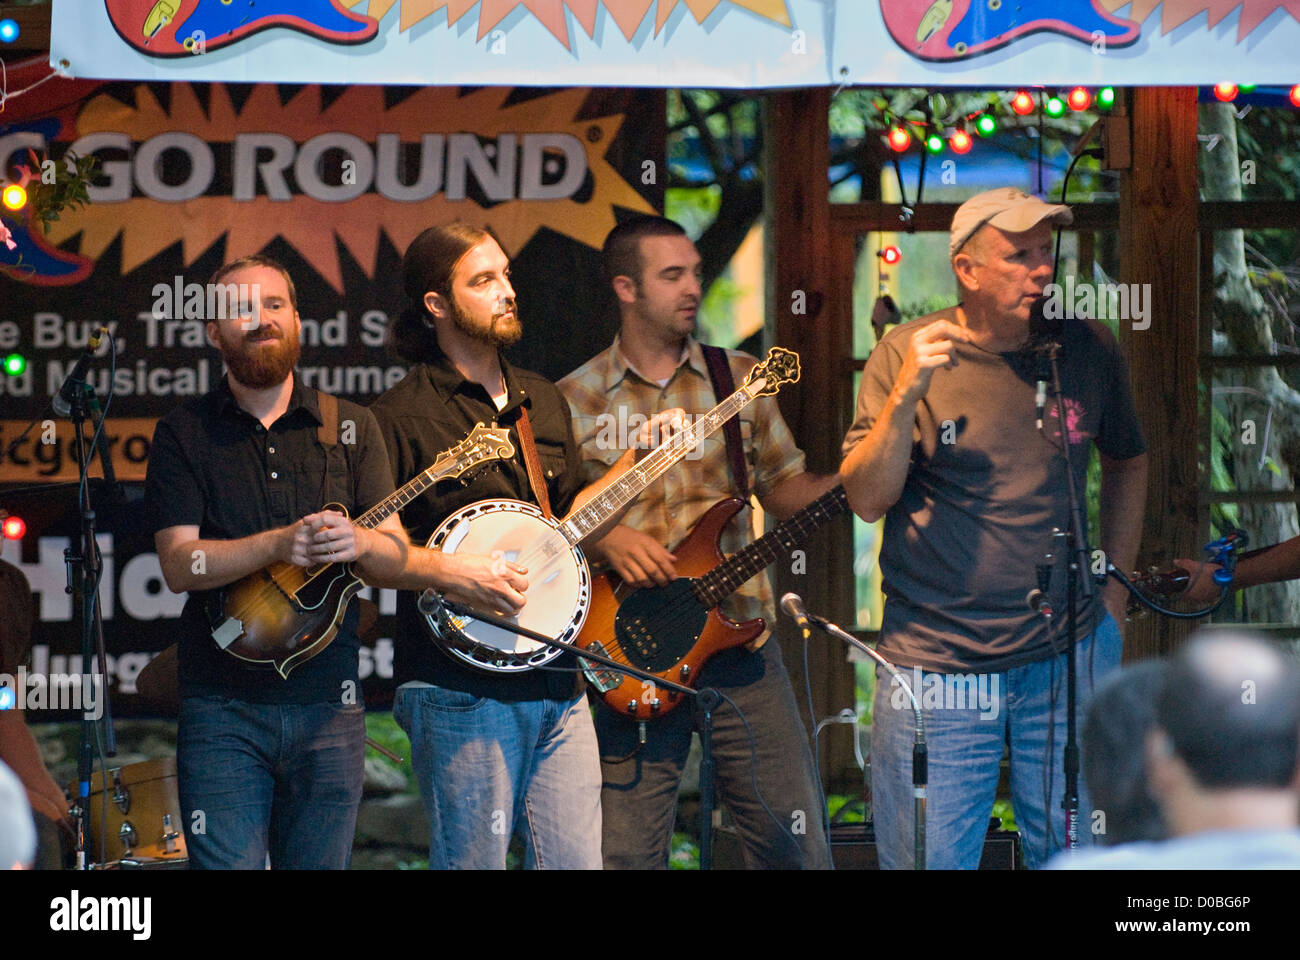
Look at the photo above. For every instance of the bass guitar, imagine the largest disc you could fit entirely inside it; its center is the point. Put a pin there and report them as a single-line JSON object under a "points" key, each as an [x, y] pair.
{"points": [[672, 631], [283, 615], [559, 591]]}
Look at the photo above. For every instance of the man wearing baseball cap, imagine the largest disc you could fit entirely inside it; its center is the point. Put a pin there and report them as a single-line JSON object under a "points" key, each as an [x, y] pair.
{"points": [[946, 447]]}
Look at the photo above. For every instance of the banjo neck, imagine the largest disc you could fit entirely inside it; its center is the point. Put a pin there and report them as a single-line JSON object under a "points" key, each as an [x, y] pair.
{"points": [[628, 487]]}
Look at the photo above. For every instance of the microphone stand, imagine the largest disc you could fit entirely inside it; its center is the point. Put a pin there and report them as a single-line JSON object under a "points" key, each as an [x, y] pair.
{"points": [[920, 752], [83, 575], [1078, 584], [707, 699]]}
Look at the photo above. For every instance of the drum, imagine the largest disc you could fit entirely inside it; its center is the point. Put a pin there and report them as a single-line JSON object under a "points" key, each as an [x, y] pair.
{"points": [[559, 584], [138, 815]]}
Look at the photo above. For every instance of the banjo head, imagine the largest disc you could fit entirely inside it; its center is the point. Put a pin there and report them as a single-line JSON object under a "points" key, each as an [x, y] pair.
{"points": [[559, 584]]}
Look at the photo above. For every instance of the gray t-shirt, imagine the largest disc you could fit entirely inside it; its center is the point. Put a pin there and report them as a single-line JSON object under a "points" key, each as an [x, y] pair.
{"points": [[984, 491]]}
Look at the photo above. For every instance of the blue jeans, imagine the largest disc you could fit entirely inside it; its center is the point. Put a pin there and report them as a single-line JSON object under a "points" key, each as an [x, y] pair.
{"points": [[640, 795], [966, 728], [487, 768], [259, 778]]}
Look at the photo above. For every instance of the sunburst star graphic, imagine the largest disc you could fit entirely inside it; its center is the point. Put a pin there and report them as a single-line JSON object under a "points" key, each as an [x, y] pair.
{"points": [[316, 228], [1174, 13], [628, 14]]}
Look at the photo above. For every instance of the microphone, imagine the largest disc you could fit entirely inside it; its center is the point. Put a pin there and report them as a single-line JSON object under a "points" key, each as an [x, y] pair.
{"points": [[76, 380], [792, 604], [430, 604], [1044, 333], [1039, 602]]}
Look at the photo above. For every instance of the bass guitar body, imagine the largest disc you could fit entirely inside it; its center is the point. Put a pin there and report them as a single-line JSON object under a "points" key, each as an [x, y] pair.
{"points": [[666, 630], [283, 615]]}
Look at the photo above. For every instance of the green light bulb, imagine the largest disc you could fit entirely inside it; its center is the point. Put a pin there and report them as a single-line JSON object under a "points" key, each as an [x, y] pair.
{"points": [[15, 364]]}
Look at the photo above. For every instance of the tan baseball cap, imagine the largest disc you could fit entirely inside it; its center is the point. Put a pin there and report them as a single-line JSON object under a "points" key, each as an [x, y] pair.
{"points": [[1005, 208]]}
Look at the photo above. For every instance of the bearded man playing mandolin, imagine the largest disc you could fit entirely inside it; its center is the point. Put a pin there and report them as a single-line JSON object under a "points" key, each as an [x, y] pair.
{"points": [[271, 762]]}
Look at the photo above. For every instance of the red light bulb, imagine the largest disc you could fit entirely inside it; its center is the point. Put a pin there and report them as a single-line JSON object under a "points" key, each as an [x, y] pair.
{"points": [[960, 141], [1022, 103], [891, 254], [14, 528], [899, 139], [1295, 95], [1227, 92], [1080, 98]]}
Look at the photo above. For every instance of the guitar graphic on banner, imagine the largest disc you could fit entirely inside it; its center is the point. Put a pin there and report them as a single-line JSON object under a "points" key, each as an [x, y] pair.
{"points": [[180, 28]]}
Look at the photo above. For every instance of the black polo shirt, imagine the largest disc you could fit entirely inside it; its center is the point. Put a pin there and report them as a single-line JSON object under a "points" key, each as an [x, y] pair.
{"points": [[431, 410], [213, 465]]}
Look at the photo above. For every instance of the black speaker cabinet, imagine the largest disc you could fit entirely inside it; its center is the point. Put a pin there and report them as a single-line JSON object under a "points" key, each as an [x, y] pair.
{"points": [[853, 847]]}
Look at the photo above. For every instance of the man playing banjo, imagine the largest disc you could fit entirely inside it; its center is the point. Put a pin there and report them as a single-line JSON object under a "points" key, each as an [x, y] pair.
{"points": [[493, 752]]}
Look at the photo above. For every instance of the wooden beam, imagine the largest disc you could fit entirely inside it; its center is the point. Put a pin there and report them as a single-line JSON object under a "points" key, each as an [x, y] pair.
{"points": [[803, 318], [1158, 246], [869, 217]]}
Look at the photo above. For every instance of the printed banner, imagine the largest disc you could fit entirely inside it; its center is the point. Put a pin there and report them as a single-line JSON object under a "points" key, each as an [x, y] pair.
{"points": [[682, 43], [334, 182]]}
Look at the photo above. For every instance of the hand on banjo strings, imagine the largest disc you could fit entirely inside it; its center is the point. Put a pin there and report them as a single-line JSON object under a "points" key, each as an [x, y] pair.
{"points": [[491, 584], [658, 430]]}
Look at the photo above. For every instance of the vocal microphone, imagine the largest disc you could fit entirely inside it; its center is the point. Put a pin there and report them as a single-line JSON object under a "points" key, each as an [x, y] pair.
{"points": [[792, 604], [1043, 335], [76, 380]]}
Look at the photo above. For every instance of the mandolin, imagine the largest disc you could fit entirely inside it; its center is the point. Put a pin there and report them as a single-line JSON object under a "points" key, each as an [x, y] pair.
{"points": [[283, 615]]}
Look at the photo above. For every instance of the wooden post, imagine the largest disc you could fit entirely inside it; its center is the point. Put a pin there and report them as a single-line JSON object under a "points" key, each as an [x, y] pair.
{"points": [[797, 204], [1158, 246]]}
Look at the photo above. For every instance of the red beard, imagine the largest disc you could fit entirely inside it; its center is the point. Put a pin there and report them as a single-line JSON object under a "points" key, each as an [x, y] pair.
{"points": [[256, 364]]}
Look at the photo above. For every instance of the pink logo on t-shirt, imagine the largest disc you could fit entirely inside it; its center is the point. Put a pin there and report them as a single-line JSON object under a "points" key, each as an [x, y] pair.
{"points": [[1073, 417]]}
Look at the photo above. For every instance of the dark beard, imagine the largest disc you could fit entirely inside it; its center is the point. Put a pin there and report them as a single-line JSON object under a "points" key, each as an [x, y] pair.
{"points": [[497, 337], [268, 368]]}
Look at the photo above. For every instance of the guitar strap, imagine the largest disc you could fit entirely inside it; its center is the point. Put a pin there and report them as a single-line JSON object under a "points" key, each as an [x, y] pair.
{"points": [[724, 385], [534, 466], [328, 431], [327, 434]]}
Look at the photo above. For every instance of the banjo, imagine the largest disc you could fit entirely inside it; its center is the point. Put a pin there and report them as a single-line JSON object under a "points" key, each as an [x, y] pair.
{"points": [[559, 592]]}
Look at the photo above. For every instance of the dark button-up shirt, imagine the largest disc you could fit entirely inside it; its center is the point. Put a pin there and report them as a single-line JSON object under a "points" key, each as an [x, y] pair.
{"points": [[427, 413], [214, 465]]}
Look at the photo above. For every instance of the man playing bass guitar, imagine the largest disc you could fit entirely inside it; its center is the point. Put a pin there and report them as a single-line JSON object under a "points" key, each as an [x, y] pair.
{"points": [[654, 269]]}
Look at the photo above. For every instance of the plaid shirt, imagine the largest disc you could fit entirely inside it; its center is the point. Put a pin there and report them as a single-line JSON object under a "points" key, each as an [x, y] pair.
{"points": [[608, 398]]}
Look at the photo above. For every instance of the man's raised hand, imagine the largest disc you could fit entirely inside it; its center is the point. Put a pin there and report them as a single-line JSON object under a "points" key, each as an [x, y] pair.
{"points": [[931, 347]]}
